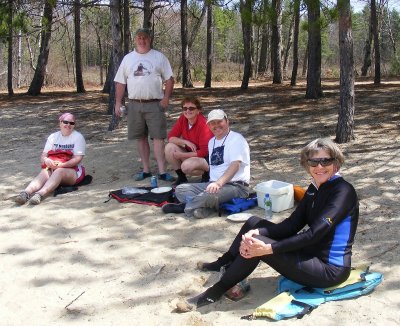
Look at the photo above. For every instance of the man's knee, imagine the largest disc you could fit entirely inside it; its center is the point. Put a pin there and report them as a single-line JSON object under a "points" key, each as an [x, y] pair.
{"points": [[170, 148], [183, 188], [187, 167]]}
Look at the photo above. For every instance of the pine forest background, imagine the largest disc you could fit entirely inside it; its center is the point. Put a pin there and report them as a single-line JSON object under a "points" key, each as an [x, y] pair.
{"points": [[228, 50]]}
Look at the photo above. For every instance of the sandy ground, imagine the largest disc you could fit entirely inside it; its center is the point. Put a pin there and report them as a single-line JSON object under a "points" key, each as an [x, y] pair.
{"points": [[76, 259]]}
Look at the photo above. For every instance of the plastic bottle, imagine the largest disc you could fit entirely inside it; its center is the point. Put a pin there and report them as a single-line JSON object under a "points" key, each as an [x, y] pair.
{"points": [[123, 111], [268, 207], [153, 182]]}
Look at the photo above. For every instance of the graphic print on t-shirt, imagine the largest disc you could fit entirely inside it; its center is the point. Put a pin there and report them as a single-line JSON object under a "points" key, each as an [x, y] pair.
{"points": [[64, 147], [142, 68]]}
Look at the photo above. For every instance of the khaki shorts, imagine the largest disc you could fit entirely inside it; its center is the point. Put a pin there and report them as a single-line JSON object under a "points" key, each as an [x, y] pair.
{"points": [[146, 119]]}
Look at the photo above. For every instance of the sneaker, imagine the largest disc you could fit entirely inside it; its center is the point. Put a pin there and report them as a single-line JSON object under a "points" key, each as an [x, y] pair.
{"points": [[142, 175], [179, 181], [203, 212], [22, 198], [174, 208], [35, 199], [166, 177]]}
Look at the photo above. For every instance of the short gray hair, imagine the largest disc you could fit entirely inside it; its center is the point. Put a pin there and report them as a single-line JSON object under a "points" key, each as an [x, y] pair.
{"points": [[322, 143]]}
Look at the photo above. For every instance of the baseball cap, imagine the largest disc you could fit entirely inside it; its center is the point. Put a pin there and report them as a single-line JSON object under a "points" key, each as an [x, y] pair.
{"points": [[143, 30], [216, 114]]}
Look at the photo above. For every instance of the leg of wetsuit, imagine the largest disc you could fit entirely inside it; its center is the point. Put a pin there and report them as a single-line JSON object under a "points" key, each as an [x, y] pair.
{"points": [[233, 250], [296, 266]]}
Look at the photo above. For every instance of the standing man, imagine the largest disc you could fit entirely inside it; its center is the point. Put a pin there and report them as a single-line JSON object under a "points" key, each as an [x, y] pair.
{"points": [[229, 157], [144, 71]]}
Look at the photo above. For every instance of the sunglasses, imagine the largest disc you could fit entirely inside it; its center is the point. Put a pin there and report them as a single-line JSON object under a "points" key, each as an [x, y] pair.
{"points": [[68, 122], [190, 108], [323, 161]]}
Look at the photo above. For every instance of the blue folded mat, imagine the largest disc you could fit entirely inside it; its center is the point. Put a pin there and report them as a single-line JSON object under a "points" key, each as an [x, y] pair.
{"points": [[237, 205], [296, 300]]}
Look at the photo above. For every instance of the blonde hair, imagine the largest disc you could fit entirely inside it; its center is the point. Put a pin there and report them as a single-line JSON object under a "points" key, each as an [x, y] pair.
{"points": [[63, 116]]}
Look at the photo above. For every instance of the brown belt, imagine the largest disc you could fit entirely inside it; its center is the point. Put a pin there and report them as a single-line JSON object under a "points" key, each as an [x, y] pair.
{"points": [[144, 101], [242, 183]]}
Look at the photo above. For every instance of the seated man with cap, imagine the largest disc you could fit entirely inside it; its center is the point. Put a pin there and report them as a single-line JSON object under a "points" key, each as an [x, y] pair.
{"points": [[229, 157]]}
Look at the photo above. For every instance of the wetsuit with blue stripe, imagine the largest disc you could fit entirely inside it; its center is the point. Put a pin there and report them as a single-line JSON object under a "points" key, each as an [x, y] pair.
{"points": [[312, 246]]}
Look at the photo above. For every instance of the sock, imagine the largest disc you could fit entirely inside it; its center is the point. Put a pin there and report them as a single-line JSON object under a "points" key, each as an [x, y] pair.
{"points": [[181, 175], [205, 177], [215, 292], [211, 295]]}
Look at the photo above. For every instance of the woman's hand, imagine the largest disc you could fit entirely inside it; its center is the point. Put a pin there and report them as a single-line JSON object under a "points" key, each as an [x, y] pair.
{"points": [[190, 145], [50, 163], [251, 247]]}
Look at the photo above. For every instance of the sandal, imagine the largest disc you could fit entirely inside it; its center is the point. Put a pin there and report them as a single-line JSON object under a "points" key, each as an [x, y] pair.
{"points": [[166, 177], [239, 291], [142, 175], [22, 198], [36, 199]]}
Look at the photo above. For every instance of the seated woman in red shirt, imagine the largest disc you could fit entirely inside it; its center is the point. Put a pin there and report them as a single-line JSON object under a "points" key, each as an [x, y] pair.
{"points": [[187, 148]]}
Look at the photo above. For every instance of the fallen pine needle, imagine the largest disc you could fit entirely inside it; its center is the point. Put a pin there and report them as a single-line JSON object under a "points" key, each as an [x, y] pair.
{"points": [[66, 307]]}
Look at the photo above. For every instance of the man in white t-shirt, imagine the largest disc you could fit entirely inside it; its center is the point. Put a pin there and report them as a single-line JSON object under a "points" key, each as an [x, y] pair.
{"points": [[229, 157], [143, 72]]}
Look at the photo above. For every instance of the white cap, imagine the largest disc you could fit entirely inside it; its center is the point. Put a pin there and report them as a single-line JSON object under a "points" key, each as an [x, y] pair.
{"points": [[216, 114]]}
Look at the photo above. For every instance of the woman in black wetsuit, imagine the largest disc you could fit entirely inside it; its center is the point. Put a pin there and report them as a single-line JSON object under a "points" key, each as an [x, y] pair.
{"points": [[319, 255]]}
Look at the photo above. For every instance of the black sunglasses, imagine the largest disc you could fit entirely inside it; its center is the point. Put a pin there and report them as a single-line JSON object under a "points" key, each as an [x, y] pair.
{"points": [[190, 108], [68, 122], [323, 161]]}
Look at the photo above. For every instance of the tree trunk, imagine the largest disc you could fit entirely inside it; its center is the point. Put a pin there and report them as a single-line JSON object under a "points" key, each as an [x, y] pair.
{"points": [[80, 87], [40, 71], [109, 76], [210, 49], [345, 125], [389, 28], [305, 63], [367, 50], [127, 34], [10, 49], [100, 57], [262, 63], [197, 25], [314, 89], [276, 46], [147, 13], [19, 59], [296, 12], [186, 79], [289, 42], [117, 54], [246, 7], [375, 31]]}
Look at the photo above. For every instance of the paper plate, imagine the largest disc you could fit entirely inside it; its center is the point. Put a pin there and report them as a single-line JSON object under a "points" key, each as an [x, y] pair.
{"points": [[160, 190], [239, 217], [128, 190]]}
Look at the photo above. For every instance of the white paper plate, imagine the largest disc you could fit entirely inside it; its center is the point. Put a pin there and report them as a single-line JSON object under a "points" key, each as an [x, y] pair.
{"points": [[128, 190], [160, 190], [239, 217]]}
